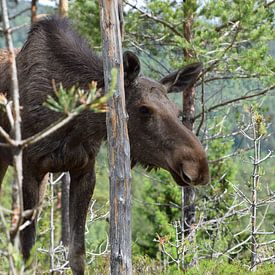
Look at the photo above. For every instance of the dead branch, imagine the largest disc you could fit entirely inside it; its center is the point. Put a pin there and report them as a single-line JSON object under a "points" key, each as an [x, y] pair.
{"points": [[238, 99]]}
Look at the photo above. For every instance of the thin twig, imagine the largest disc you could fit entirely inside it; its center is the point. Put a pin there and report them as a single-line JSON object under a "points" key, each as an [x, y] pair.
{"points": [[202, 106], [156, 19], [238, 99]]}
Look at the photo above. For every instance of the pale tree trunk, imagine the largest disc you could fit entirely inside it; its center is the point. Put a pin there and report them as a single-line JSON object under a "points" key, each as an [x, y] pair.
{"points": [[16, 130], [63, 7], [35, 17], [33, 10], [118, 142], [256, 124]]}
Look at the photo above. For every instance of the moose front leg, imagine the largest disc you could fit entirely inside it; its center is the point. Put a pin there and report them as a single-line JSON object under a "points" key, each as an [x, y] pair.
{"points": [[81, 190], [30, 200]]}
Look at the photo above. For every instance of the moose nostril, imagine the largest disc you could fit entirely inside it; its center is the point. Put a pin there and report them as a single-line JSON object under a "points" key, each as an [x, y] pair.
{"points": [[187, 178]]}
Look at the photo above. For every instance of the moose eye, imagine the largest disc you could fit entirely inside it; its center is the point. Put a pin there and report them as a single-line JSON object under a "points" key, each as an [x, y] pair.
{"points": [[144, 110]]}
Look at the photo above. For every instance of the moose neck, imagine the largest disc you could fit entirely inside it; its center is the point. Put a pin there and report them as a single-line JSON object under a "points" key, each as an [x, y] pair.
{"points": [[94, 126]]}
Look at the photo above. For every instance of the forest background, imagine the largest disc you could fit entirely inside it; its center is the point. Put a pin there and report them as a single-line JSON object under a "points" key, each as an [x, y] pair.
{"points": [[234, 100]]}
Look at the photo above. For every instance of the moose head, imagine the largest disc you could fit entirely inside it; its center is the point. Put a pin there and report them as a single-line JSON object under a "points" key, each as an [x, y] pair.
{"points": [[157, 136]]}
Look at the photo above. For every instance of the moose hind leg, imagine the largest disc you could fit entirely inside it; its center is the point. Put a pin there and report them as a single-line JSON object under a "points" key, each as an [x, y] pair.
{"points": [[81, 189], [30, 200]]}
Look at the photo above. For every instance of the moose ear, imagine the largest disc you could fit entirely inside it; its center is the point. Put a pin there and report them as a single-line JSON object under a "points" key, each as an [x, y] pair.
{"points": [[131, 66], [182, 79]]}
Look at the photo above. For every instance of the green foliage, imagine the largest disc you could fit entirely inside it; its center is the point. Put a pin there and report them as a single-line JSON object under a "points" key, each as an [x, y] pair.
{"points": [[75, 100], [213, 267], [146, 265], [233, 36], [258, 119], [85, 14], [155, 212]]}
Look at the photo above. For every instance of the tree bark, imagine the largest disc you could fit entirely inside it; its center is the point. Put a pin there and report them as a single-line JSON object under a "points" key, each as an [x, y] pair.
{"points": [[189, 208], [33, 10], [63, 8], [118, 142], [16, 128], [188, 108]]}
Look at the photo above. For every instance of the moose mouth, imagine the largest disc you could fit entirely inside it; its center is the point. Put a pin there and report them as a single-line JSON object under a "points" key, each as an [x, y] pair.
{"points": [[181, 178]]}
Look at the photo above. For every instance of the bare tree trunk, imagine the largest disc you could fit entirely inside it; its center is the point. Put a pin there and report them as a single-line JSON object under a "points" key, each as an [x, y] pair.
{"points": [[16, 127], [255, 183], [33, 10], [189, 209], [119, 149], [188, 193], [63, 8], [188, 108]]}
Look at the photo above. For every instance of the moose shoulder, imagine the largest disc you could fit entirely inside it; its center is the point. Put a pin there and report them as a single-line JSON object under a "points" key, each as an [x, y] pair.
{"points": [[54, 50]]}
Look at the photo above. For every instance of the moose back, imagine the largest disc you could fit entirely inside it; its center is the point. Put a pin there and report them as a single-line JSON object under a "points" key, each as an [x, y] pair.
{"points": [[54, 50]]}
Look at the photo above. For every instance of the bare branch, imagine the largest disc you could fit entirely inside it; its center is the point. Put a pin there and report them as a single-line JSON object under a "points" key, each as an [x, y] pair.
{"points": [[236, 153], [19, 13], [238, 99], [154, 18]]}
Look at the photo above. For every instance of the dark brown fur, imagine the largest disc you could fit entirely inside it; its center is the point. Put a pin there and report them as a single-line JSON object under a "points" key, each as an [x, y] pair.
{"points": [[54, 50]]}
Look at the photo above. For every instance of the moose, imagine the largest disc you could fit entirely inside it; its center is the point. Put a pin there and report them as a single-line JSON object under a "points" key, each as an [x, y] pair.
{"points": [[158, 139]]}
